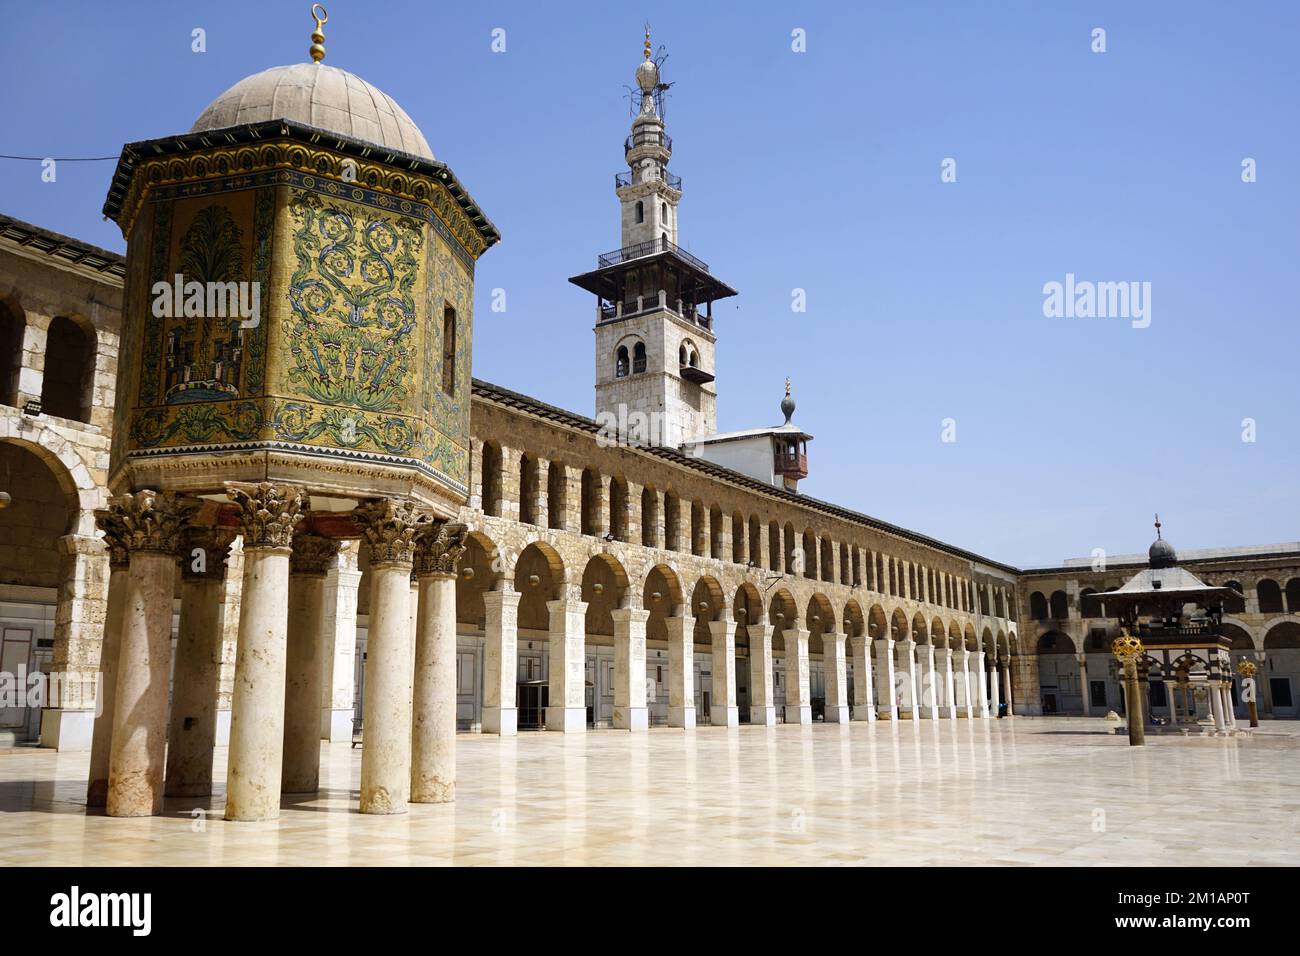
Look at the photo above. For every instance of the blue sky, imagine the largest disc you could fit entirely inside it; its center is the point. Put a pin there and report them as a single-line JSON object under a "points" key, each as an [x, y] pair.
{"points": [[821, 170]]}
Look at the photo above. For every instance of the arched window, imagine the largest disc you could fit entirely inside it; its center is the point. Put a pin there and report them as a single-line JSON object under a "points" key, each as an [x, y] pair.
{"points": [[11, 351], [638, 358], [449, 350], [681, 354], [1270, 597], [664, 209], [640, 211], [490, 486], [1293, 595], [1038, 606], [621, 363], [1060, 606], [69, 361]]}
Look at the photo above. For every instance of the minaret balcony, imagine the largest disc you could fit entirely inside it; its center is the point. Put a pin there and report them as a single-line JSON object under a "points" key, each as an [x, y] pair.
{"points": [[642, 249], [668, 179]]}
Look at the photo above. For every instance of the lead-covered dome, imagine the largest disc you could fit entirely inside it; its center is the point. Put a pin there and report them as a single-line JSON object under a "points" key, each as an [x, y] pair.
{"points": [[321, 96]]}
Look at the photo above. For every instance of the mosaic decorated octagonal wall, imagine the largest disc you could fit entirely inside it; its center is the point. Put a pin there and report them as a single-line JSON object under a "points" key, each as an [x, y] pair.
{"points": [[360, 349]]}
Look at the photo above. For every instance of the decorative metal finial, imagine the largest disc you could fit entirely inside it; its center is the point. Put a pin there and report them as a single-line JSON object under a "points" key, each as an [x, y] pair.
{"points": [[647, 40], [1157, 527], [322, 17], [787, 403]]}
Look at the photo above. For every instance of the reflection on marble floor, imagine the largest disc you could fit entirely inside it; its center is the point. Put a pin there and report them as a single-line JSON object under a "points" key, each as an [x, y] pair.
{"points": [[1046, 791]]}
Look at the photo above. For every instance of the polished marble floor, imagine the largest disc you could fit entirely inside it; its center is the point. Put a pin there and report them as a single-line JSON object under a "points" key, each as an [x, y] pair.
{"points": [[1050, 791]]}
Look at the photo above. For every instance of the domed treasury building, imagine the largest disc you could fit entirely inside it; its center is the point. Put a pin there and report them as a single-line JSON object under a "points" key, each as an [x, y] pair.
{"points": [[253, 484]]}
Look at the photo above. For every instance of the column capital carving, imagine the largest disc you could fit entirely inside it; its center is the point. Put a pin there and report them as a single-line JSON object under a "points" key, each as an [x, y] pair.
{"points": [[147, 520], [389, 526], [214, 543], [268, 512], [312, 554], [629, 615], [110, 522], [438, 546]]}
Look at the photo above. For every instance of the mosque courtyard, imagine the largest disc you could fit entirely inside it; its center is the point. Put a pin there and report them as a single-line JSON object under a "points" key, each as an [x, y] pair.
{"points": [[1045, 791]]}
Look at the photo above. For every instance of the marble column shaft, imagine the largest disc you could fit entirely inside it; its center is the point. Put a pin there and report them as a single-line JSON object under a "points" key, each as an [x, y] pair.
{"points": [[196, 676], [567, 666], [630, 711], [310, 633], [837, 678], [681, 670], [433, 728], [798, 697], [887, 692], [723, 711], [501, 662], [102, 735], [762, 698], [864, 698]]}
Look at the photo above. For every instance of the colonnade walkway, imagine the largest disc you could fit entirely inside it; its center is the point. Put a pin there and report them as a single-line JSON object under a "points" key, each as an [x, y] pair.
{"points": [[1061, 791]]}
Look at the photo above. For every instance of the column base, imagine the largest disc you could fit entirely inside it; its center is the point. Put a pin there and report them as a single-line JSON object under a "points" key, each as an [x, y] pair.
{"points": [[906, 715], [837, 715], [568, 720], [337, 726], [67, 731], [886, 713], [799, 714], [762, 716], [865, 714], [631, 718], [683, 717], [501, 720], [724, 717]]}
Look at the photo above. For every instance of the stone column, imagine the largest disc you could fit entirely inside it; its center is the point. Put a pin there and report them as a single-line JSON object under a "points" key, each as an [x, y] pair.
{"points": [[1006, 684], [338, 680], [950, 692], [1083, 683], [67, 719], [500, 661], [723, 711], [864, 697], [963, 682], [762, 706], [268, 514], [888, 706], [995, 689], [115, 537], [837, 678], [389, 526], [906, 651], [982, 698], [567, 676], [929, 702], [798, 702], [629, 669], [433, 718], [541, 500], [308, 635], [196, 676], [135, 768], [681, 670]]}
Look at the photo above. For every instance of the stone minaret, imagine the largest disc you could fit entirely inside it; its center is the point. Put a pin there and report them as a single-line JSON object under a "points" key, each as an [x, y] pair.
{"points": [[654, 324]]}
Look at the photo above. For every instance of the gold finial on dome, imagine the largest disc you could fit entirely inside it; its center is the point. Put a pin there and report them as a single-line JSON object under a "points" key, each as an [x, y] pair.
{"points": [[322, 17], [647, 41]]}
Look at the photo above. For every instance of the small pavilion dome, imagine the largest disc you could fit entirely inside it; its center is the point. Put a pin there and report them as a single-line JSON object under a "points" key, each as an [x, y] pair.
{"points": [[317, 95]]}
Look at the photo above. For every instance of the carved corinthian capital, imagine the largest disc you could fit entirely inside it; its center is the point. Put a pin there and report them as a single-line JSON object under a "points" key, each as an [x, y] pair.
{"points": [[439, 546], [146, 520], [110, 522], [204, 552], [268, 512], [312, 554], [390, 526]]}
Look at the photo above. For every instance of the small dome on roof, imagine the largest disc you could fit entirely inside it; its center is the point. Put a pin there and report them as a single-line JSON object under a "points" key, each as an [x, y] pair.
{"points": [[1161, 553], [317, 95]]}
